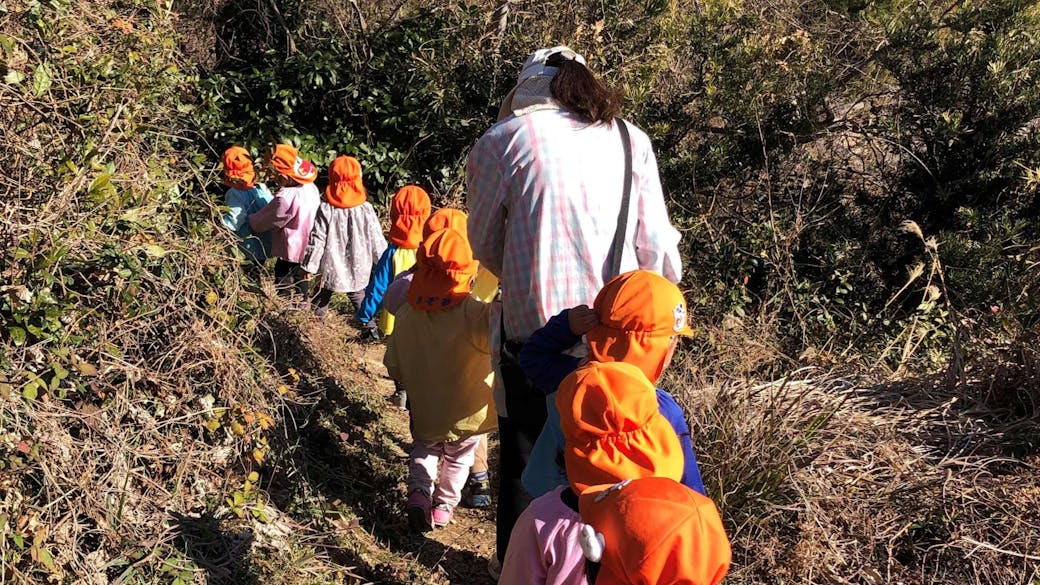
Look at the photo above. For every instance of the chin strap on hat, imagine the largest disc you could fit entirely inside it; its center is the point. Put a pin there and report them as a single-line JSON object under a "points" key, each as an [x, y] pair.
{"points": [[592, 542]]}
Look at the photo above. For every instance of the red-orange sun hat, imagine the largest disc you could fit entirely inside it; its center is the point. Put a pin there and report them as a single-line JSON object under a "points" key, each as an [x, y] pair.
{"points": [[345, 188], [446, 217], [653, 531], [613, 428], [238, 168], [408, 212], [286, 161], [444, 269], [639, 313]]}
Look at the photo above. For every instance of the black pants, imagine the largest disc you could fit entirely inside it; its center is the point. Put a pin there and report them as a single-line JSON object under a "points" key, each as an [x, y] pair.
{"points": [[324, 297], [283, 268], [516, 436], [288, 279]]}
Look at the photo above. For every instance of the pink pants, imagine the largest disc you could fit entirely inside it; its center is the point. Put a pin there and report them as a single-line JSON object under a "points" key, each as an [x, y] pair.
{"points": [[454, 459]]}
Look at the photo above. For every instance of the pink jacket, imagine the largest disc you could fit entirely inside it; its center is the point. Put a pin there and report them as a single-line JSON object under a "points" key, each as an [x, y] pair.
{"points": [[290, 215], [543, 547]]}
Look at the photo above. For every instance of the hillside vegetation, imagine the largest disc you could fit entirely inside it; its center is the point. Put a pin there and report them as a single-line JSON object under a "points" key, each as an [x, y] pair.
{"points": [[856, 183]]}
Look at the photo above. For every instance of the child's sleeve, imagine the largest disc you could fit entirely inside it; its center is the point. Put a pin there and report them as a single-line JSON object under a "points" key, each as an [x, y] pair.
{"points": [[236, 215], [543, 359], [478, 316], [275, 214], [316, 244], [545, 470], [374, 231], [397, 292], [390, 359], [525, 562], [671, 410], [382, 275]]}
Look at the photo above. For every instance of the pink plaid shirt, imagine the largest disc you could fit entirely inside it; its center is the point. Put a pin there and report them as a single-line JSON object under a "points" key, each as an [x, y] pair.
{"points": [[544, 197]]}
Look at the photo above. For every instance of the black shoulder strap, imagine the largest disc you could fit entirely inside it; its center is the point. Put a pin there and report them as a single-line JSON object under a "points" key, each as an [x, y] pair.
{"points": [[617, 248]]}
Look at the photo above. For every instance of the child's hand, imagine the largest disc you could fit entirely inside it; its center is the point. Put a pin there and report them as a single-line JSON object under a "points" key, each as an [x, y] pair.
{"points": [[582, 319]]}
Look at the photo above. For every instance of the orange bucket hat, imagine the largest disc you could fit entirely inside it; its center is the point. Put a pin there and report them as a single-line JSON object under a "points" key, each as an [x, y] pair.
{"points": [[653, 531], [446, 217], [345, 188], [444, 269], [238, 168], [408, 213], [286, 161], [639, 313], [613, 428]]}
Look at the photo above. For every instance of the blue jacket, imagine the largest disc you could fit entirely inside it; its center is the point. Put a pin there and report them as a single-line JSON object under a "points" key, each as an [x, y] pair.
{"points": [[382, 276], [241, 203], [544, 363]]}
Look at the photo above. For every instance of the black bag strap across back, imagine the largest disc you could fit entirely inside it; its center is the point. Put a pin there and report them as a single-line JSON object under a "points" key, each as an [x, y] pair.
{"points": [[617, 248]]}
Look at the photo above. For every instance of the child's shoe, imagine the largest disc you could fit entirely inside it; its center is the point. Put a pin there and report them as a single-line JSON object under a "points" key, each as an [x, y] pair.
{"points": [[369, 335], [441, 515], [400, 399], [418, 511], [478, 490]]}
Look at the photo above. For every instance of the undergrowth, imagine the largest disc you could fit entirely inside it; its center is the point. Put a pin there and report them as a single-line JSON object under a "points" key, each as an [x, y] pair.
{"points": [[162, 421]]}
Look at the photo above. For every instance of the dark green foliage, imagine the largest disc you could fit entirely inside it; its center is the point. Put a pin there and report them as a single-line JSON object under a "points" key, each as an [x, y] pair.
{"points": [[793, 140]]}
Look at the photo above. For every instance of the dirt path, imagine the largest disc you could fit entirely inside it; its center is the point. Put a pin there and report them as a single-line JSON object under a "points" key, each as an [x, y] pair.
{"points": [[376, 435]]}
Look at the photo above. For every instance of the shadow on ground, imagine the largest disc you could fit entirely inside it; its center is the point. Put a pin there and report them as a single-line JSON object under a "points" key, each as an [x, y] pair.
{"points": [[337, 452], [223, 555], [992, 409]]}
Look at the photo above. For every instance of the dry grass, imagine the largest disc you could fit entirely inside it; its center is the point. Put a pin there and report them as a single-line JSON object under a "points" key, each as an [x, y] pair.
{"points": [[158, 378], [828, 478]]}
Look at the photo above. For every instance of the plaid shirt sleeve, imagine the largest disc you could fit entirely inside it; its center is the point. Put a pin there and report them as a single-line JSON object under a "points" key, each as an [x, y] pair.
{"points": [[487, 196], [656, 241]]}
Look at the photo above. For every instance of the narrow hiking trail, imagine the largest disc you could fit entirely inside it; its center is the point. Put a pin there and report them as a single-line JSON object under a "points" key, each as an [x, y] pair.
{"points": [[360, 455]]}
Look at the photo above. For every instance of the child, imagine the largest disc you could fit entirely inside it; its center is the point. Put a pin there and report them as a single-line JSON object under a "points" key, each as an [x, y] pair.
{"points": [[346, 239], [290, 216], [613, 432], [652, 531], [440, 353], [485, 284], [245, 196], [637, 319], [408, 213], [478, 486]]}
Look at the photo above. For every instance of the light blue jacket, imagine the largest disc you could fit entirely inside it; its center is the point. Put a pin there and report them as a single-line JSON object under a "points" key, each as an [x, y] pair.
{"points": [[241, 203]]}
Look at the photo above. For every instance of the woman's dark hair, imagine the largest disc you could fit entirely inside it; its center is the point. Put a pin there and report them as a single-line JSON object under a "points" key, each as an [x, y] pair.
{"points": [[578, 90]]}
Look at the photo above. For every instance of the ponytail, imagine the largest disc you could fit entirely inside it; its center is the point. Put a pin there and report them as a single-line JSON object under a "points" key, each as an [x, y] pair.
{"points": [[578, 90]]}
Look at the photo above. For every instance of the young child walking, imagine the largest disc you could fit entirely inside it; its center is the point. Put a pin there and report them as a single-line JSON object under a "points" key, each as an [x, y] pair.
{"points": [[477, 493], [636, 318], [408, 213], [613, 432], [290, 216], [440, 354], [244, 196], [346, 239]]}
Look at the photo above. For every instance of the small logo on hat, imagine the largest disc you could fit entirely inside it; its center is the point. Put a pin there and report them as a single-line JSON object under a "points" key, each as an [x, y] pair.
{"points": [[680, 317], [303, 168]]}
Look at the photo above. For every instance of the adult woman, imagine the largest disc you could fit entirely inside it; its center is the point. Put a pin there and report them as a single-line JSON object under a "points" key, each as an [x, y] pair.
{"points": [[545, 193]]}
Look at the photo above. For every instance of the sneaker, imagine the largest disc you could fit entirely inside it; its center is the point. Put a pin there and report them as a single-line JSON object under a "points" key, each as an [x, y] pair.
{"points": [[478, 492], [495, 568], [399, 399], [418, 511], [369, 335], [441, 515]]}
